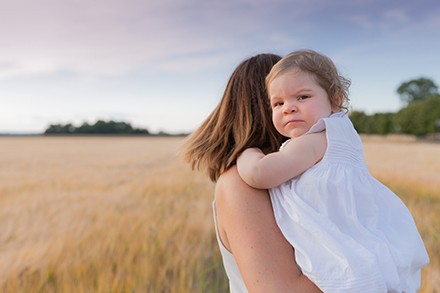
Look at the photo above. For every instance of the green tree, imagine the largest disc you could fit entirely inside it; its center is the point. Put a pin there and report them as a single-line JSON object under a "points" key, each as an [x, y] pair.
{"points": [[100, 127], [378, 123], [420, 117], [381, 123], [417, 90], [359, 120], [60, 129], [84, 128]]}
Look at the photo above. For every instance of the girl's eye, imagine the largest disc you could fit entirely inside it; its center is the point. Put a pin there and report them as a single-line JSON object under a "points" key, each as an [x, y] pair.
{"points": [[277, 104], [304, 97]]}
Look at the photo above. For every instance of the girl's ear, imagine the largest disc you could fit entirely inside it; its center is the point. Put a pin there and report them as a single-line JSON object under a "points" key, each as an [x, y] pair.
{"points": [[337, 106]]}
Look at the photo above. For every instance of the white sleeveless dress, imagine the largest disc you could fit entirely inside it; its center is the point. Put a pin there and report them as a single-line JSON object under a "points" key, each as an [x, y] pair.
{"points": [[236, 283], [350, 232]]}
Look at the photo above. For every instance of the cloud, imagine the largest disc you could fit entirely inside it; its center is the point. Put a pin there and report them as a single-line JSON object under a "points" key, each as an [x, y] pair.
{"points": [[99, 37], [396, 16], [433, 19], [115, 37]]}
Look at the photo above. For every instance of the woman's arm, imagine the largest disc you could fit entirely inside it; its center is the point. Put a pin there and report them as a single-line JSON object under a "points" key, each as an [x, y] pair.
{"points": [[267, 171], [248, 229]]}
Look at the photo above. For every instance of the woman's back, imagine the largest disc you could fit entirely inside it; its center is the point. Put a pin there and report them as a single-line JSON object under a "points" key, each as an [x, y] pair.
{"points": [[236, 283]]}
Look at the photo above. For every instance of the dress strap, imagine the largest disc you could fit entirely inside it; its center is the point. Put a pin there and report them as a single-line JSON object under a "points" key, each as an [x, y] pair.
{"points": [[320, 124]]}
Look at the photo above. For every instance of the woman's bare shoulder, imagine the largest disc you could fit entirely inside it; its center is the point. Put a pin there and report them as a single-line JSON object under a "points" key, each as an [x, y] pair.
{"points": [[230, 175], [229, 181], [230, 184]]}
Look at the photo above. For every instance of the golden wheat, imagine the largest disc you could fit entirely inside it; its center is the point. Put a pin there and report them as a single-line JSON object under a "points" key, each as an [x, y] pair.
{"points": [[123, 214], [412, 170], [104, 215]]}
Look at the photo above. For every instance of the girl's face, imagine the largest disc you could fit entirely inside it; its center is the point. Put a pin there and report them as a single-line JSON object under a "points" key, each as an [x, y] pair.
{"points": [[297, 102]]}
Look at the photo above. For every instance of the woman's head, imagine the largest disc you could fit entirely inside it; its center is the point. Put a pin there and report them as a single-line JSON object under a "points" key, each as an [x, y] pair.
{"points": [[242, 119], [321, 68]]}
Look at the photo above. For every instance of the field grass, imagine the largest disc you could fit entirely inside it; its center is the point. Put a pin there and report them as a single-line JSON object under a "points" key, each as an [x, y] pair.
{"points": [[108, 214]]}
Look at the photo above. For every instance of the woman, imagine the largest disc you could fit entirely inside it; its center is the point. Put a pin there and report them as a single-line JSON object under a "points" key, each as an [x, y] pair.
{"points": [[256, 256]]}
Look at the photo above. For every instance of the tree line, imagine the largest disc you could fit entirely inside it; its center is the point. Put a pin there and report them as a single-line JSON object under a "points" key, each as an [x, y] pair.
{"points": [[420, 116], [100, 127]]}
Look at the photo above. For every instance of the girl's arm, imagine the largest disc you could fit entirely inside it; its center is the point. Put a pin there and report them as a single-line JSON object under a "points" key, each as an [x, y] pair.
{"points": [[248, 229], [267, 171]]}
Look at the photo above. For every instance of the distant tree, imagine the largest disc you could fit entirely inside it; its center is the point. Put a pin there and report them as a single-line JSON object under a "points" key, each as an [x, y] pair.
{"points": [[420, 117], [417, 89], [382, 123], [359, 120], [84, 128], [59, 128], [100, 127], [378, 123]]}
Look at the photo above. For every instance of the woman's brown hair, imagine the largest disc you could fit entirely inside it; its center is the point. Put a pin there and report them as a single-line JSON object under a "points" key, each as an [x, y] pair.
{"points": [[241, 120]]}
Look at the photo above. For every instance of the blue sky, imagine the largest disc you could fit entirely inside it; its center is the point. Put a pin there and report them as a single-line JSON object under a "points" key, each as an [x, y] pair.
{"points": [[163, 65]]}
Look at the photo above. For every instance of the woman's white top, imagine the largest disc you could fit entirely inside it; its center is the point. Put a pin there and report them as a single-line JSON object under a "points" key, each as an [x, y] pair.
{"points": [[350, 232], [236, 283]]}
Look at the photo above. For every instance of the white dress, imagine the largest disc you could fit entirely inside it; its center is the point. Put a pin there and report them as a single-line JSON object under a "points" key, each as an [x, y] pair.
{"points": [[350, 232], [236, 283]]}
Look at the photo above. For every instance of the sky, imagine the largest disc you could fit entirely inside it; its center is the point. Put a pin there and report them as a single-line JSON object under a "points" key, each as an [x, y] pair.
{"points": [[163, 65]]}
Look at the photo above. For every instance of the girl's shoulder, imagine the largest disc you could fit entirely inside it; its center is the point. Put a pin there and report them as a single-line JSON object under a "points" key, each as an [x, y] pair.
{"points": [[309, 139], [314, 144]]}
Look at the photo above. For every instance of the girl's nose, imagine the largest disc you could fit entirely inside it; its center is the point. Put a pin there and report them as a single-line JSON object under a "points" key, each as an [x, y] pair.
{"points": [[289, 108]]}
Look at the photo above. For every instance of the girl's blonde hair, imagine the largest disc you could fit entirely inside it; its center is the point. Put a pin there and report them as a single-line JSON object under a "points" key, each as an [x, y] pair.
{"points": [[241, 120], [321, 68]]}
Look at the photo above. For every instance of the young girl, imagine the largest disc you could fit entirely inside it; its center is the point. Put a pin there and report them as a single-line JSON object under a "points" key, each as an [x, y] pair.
{"points": [[350, 232]]}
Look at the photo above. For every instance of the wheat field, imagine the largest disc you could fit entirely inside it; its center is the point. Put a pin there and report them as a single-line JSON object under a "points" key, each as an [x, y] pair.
{"points": [[124, 214]]}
